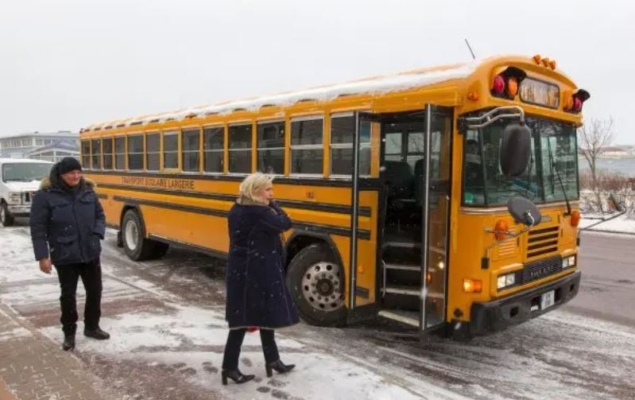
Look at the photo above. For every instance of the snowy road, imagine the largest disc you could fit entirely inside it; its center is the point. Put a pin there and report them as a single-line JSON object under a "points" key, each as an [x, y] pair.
{"points": [[166, 318]]}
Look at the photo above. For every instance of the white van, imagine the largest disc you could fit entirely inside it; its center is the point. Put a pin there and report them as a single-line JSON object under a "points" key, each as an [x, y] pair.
{"points": [[19, 180]]}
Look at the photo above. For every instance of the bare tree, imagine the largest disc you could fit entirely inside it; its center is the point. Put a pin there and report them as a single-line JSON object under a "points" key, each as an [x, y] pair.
{"points": [[595, 136]]}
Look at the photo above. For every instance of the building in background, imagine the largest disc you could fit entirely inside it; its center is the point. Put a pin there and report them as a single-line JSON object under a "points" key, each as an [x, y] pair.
{"points": [[40, 146]]}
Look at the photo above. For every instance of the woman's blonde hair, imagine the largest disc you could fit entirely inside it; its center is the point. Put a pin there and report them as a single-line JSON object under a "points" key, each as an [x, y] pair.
{"points": [[252, 184]]}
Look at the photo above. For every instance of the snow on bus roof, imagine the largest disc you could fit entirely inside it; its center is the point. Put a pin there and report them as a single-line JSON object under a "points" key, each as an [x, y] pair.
{"points": [[375, 85]]}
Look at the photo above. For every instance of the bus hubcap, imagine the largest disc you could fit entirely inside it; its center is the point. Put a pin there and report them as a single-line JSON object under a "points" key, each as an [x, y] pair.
{"points": [[132, 235], [2, 214], [322, 286]]}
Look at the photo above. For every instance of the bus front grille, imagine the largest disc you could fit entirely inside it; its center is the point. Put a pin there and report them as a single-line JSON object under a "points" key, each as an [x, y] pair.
{"points": [[543, 241], [541, 269]]}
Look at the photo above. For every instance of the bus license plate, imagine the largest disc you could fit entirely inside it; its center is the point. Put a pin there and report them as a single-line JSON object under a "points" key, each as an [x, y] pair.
{"points": [[547, 300]]}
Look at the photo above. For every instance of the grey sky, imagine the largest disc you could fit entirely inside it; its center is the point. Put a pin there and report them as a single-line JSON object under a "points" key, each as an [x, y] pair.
{"points": [[65, 64]]}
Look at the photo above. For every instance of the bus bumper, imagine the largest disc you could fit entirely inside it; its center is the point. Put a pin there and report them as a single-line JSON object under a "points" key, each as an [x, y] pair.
{"points": [[498, 315]]}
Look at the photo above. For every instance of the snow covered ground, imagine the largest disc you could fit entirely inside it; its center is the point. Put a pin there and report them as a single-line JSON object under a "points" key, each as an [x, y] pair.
{"points": [[167, 322]]}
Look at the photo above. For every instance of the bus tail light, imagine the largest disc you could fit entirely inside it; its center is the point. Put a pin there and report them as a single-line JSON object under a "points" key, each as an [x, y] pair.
{"points": [[575, 218], [472, 286]]}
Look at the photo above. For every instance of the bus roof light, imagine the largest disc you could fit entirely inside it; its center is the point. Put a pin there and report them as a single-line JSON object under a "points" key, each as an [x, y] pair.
{"points": [[537, 59], [512, 87], [553, 64], [498, 86], [577, 104], [546, 61], [573, 103]]}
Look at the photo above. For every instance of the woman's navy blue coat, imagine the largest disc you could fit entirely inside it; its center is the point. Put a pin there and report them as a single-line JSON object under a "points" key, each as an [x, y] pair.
{"points": [[256, 291]]}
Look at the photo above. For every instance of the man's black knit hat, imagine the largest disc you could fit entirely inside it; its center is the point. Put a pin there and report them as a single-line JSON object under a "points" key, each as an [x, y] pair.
{"points": [[69, 164]]}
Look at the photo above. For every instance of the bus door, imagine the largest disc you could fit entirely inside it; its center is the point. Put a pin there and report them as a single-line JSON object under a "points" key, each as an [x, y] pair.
{"points": [[435, 203], [365, 191]]}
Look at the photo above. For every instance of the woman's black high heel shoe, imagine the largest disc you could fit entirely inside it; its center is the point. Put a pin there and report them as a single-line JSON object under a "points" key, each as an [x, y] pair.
{"points": [[236, 376], [279, 367]]}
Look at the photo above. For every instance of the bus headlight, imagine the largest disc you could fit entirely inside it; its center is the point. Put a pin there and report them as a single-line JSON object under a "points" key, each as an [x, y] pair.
{"points": [[506, 280], [568, 262]]}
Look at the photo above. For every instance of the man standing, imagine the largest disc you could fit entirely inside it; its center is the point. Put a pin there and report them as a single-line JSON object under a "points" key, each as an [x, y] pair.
{"points": [[67, 225]]}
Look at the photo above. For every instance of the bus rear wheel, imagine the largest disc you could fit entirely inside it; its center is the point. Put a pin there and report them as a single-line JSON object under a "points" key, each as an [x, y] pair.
{"points": [[316, 282], [137, 247]]}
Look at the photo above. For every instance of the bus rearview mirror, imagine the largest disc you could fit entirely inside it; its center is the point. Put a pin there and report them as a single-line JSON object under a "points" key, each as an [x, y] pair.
{"points": [[524, 211], [515, 149]]}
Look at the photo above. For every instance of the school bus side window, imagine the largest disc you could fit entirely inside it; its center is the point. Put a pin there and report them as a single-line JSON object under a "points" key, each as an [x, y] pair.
{"points": [[135, 153], [107, 147], [96, 152], [153, 151], [120, 153], [342, 131], [191, 141], [170, 150], [307, 149], [214, 149], [271, 147], [86, 153], [240, 149]]}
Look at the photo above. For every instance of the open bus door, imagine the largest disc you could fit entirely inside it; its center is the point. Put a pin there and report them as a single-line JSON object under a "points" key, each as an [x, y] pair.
{"points": [[411, 283], [435, 216], [362, 185], [432, 165]]}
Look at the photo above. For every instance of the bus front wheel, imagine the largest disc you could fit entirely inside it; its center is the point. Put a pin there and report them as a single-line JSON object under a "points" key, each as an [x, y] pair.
{"points": [[137, 247], [316, 282]]}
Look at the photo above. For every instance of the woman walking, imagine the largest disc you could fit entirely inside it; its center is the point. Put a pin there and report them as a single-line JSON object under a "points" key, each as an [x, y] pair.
{"points": [[257, 295]]}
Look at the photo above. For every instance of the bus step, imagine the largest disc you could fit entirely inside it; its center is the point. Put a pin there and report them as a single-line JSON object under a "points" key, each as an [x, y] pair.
{"points": [[405, 317], [402, 289], [402, 245], [402, 267]]}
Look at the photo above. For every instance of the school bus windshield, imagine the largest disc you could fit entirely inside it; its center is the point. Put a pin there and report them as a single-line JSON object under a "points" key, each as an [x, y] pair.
{"points": [[553, 152]]}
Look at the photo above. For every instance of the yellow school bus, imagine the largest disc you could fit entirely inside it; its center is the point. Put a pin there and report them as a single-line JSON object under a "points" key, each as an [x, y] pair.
{"points": [[445, 198]]}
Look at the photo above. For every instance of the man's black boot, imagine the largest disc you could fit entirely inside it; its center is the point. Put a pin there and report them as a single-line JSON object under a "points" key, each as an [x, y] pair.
{"points": [[96, 334], [69, 342]]}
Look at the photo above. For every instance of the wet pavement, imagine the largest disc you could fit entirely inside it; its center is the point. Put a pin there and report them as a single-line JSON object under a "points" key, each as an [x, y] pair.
{"points": [[166, 318]]}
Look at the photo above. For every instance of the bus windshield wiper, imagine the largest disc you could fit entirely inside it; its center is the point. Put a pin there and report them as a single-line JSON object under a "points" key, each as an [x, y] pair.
{"points": [[564, 191]]}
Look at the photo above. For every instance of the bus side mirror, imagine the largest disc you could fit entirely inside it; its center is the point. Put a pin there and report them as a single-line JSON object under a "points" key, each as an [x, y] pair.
{"points": [[515, 150], [524, 211]]}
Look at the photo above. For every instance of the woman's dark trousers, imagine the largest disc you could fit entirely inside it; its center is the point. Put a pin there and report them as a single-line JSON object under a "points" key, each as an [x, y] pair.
{"points": [[235, 341]]}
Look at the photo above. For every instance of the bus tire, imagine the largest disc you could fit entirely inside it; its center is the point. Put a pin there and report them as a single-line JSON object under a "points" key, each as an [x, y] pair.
{"points": [[316, 268], [5, 216], [135, 244]]}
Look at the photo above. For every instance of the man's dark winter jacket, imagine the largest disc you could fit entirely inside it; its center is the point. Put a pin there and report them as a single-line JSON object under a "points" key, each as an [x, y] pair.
{"points": [[69, 223]]}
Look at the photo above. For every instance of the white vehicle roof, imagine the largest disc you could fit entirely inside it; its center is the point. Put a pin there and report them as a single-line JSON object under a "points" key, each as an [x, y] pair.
{"points": [[23, 161]]}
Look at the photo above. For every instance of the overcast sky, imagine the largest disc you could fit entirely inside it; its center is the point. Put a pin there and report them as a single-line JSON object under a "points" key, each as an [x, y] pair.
{"points": [[65, 64]]}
